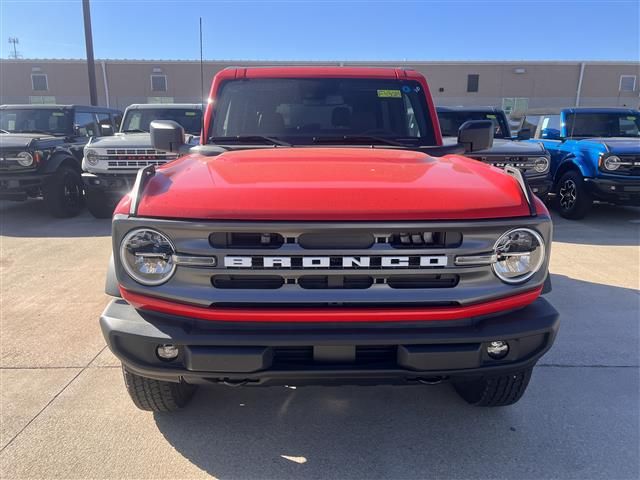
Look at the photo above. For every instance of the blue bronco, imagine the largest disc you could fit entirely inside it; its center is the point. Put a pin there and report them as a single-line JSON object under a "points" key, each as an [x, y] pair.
{"points": [[595, 155]]}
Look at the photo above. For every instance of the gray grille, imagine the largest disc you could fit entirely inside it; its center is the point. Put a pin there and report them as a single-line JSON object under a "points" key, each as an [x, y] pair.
{"points": [[408, 284]]}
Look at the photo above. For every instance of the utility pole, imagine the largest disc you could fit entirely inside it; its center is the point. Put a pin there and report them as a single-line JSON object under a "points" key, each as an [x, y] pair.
{"points": [[88, 39], [14, 41]]}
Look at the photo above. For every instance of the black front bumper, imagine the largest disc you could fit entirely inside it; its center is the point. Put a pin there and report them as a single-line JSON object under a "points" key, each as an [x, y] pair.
{"points": [[19, 186], [540, 186], [622, 191], [375, 353], [114, 186]]}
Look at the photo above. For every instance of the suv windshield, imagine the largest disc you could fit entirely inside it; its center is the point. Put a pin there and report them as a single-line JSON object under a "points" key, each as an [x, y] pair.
{"points": [[324, 110], [53, 121], [450, 122], [603, 125], [139, 120]]}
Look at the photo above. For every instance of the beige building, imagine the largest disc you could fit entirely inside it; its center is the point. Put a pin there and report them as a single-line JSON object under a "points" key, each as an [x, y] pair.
{"points": [[515, 86]]}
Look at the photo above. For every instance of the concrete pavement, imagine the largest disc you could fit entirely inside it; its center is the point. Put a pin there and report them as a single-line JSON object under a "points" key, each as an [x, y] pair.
{"points": [[65, 413]]}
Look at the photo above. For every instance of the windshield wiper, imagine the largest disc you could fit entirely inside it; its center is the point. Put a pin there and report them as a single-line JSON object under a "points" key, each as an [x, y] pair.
{"points": [[3, 130], [35, 131], [345, 139], [135, 130], [250, 138]]}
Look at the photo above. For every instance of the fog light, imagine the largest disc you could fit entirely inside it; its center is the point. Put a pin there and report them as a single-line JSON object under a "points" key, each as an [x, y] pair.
{"points": [[167, 352], [498, 349]]}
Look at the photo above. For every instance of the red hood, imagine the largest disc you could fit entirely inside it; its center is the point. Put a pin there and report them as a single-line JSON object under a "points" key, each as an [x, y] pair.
{"points": [[330, 184]]}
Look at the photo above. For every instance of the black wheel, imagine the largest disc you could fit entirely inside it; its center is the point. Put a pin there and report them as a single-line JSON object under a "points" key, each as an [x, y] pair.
{"points": [[572, 198], [99, 204], [156, 395], [495, 391], [64, 193]]}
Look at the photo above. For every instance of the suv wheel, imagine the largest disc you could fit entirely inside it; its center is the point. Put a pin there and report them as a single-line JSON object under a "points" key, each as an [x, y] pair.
{"points": [[573, 199], [99, 204], [157, 395], [64, 193], [495, 391]]}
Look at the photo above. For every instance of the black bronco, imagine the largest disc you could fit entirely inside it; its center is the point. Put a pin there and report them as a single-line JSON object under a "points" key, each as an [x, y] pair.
{"points": [[41, 152], [531, 158]]}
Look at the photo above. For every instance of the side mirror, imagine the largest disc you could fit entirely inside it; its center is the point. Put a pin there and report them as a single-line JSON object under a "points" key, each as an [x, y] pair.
{"points": [[106, 129], [524, 134], [476, 135], [550, 134], [167, 135]]}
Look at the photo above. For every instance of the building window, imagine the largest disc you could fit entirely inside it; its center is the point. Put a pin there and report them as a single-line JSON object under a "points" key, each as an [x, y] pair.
{"points": [[42, 99], [472, 82], [158, 83], [39, 82], [627, 83]]}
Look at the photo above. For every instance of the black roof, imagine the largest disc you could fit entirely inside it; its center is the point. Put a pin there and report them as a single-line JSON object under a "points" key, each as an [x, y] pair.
{"points": [[86, 108], [483, 109]]}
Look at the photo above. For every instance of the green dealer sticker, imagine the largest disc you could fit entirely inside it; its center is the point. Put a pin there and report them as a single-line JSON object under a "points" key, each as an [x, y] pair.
{"points": [[389, 94]]}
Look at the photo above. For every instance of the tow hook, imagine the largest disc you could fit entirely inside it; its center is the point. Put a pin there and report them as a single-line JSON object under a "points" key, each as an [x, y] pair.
{"points": [[430, 380], [233, 383]]}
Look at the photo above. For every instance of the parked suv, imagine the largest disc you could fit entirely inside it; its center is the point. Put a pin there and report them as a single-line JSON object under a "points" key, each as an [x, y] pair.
{"points": [[531, 158], [595, 155], [110, 163], [322, 234], [41, 151]]}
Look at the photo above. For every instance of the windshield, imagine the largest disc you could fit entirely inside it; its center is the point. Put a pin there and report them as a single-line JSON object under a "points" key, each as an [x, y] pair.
{"points": [[323, 110], [603, 125], [139, 120], [450, 122], [37, 120]]}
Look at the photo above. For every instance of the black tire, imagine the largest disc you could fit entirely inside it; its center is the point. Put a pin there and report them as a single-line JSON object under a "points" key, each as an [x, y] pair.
{"points": [[64, 193], [495, 391], [573, 200], [99, 204], [156, 395]]}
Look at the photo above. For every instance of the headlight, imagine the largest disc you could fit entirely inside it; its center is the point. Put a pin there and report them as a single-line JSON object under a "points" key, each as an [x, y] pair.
{"points": [[91, 156], [612, 163], [519, 255], [147, 256], [541, 164], [25, 159]]}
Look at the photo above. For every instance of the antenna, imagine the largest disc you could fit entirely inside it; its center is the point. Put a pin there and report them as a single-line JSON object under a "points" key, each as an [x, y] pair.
{"points": [[14, 41], [201, 80]]}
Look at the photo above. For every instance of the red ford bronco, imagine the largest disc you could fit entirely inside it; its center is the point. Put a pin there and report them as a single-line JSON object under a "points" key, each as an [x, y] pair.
{"points": [[322, 234]]}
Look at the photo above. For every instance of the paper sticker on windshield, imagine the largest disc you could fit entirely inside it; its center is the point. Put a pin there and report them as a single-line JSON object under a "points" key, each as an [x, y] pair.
{"points": [[389, 94], [631, 119], [493, 117], [57, 114], [189, 114]]}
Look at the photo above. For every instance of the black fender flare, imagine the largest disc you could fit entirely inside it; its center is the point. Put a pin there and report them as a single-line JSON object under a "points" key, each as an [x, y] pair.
{"points": [[58, 158], [111, 286]]}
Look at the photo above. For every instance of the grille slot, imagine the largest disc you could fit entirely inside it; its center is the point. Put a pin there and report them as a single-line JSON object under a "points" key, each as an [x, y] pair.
{"points": [[259, 282], [338, 241], [335, 281], [425, 239], [246, 240], [423, 281]]}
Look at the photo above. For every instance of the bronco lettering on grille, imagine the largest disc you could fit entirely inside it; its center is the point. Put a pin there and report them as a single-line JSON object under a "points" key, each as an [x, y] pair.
{"points": [[409, 261]]}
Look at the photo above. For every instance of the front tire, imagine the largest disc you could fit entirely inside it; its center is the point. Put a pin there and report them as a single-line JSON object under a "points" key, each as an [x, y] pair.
{"points": [[572, 197], [495, 391], [99, 204], [64, 193], [157, 395]]}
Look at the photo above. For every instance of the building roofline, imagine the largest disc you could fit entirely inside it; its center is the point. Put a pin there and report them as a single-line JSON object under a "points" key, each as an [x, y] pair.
{"points": [[386, 63]]}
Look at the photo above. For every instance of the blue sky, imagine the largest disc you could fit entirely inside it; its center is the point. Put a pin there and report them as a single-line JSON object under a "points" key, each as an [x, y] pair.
{"points": [[328, 30]]}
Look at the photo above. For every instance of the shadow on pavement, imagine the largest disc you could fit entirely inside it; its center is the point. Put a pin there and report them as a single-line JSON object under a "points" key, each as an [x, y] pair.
{"points": [[31, 219], [604, 225]]}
